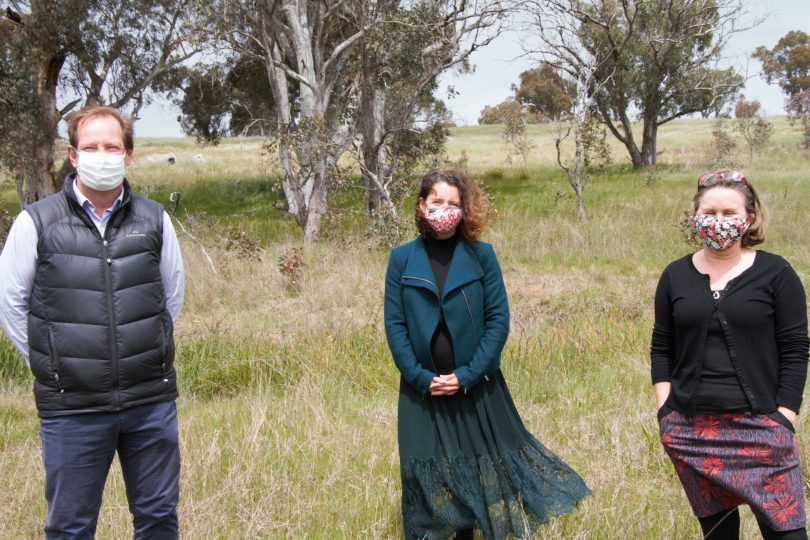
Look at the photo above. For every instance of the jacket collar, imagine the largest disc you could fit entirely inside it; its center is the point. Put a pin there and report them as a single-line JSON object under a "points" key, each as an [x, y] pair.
{"points": [[67, 187], [115, 219], [464, 268]]}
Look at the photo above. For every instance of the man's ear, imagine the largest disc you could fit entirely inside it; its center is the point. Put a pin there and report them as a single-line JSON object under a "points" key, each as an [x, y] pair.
{"points": [[74, 156]]}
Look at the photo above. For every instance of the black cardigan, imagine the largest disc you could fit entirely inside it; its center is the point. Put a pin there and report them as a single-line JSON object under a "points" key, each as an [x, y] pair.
{"points": [[764, 315]]}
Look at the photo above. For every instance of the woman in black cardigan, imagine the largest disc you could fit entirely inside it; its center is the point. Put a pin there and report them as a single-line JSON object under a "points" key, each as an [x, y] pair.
{"points": [[729, 361]]}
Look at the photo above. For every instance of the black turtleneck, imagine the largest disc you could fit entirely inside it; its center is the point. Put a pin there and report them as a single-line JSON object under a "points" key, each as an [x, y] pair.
{"points": [[440, 255]]}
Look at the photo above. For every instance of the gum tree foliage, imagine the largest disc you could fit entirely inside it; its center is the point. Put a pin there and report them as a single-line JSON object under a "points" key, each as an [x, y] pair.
{"points": [[755, 130], [544, 92], [66, 53], [204, 103], [401, 122], [353, 75], [503, 111], [514, 135], [306, 44], [658, 59], [727, 78], [220, 99], [788, 63], [798, 108], [557, 28]]}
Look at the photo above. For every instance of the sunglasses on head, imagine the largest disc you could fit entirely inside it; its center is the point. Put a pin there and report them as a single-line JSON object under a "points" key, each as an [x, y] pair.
{"points": [[724, 174]]}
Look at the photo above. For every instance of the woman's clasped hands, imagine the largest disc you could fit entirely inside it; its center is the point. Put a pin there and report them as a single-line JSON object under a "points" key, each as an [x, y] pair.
{"points": [[444, 385]]}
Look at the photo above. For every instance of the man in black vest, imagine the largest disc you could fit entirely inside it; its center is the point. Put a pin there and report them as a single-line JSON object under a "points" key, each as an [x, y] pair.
{"points": [[92, 285]]}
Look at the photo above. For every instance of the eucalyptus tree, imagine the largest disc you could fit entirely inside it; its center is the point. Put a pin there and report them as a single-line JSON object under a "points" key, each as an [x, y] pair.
{"points": [[305, 44], [81, 52], [659, 60], [577, 71], [401, 60], [663, 56], [545, 92], [788, 63], [218, 99]]}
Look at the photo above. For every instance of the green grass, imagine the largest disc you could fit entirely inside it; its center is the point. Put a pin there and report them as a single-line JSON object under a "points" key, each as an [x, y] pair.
{"points": [[288, 407]]}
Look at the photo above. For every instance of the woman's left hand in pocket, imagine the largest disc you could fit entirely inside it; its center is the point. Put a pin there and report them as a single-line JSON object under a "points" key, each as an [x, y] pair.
{"points": [[788, 413]]}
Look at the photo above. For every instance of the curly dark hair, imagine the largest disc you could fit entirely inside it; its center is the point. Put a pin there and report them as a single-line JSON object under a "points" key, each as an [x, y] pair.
{"points": [[473, 204]]}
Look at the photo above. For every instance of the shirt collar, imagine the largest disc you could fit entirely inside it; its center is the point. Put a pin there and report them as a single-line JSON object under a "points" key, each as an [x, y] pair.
{"points": [[85, 202]]}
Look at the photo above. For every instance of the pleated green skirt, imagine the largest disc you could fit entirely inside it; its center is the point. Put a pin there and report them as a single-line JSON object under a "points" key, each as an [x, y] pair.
{"points": [[468, 462]]}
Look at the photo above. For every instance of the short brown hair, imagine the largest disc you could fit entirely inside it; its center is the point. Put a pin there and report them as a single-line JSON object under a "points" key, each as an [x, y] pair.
{"points": [[756, 232], [94, 111], [473, 204]]}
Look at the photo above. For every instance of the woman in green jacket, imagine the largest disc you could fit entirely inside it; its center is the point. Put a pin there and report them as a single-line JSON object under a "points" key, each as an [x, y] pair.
{"points": [[466, 459]]}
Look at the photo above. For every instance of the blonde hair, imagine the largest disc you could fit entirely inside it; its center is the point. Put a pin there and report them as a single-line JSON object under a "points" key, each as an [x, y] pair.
{"points": [[756, 232]]}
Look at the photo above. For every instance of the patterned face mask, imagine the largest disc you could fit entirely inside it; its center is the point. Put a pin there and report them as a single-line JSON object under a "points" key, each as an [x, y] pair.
{"points": [[719, 234], [443, 219]]}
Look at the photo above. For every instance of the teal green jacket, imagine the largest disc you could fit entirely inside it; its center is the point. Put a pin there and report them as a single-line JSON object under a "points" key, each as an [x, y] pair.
{"points": [[473, 302]]}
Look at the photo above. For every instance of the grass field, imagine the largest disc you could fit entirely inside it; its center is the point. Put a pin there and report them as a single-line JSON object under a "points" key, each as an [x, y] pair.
{"points": [[288, 407]]}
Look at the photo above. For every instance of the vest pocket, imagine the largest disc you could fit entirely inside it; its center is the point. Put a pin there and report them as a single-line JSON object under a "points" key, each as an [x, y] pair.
{"points": [[54, 360], [164, 349]]}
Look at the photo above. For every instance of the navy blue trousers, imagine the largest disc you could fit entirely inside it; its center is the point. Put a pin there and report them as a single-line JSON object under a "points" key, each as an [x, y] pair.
{"points": [[78, 450]]}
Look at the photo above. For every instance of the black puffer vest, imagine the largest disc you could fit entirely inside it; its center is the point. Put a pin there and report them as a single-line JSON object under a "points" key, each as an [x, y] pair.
{"points": [[99, 336]]}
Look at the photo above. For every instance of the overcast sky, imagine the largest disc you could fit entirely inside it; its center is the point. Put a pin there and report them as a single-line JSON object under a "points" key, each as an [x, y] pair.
{"points": [[498, 66]]}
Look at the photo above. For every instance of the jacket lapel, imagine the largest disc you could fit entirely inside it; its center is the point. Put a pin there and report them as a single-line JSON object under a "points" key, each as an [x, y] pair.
{"points": [[418, 272], [464, 267]]}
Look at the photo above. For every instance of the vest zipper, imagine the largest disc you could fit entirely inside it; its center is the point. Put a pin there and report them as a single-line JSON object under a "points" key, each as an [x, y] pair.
{"points": [[111, 312], [54, 363]]}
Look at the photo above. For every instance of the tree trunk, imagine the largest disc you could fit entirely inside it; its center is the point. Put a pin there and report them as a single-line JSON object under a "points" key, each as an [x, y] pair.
{"points": [[636, 156], [376, 167], [39, 180], [625, 136], [648, 145], [579, 189], [278, 86], [575, 178], [580, 111], [317, 205]]}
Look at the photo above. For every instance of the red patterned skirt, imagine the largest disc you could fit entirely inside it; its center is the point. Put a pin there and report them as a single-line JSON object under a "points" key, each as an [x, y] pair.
{"points": [[724, 460]]}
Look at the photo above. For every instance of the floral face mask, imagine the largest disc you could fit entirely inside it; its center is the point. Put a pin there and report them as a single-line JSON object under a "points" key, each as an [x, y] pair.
{"points": [[717, 233], [443, 219]]}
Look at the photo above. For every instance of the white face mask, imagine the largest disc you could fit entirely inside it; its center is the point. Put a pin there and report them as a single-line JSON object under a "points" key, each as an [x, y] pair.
{"points": [[101, 171]]}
